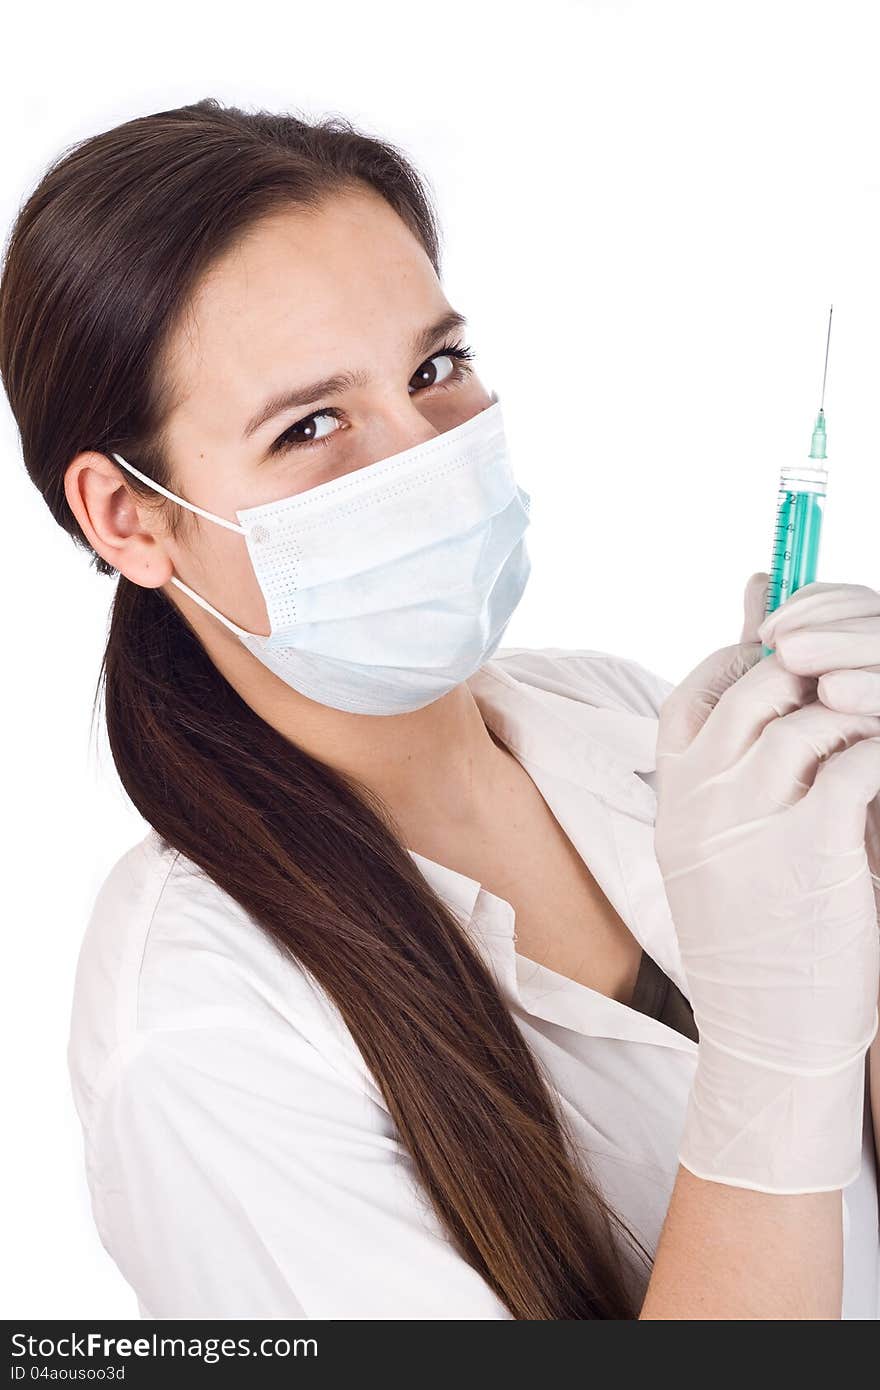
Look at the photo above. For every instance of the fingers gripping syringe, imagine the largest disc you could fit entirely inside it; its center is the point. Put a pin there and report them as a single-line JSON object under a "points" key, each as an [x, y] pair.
{"points": [[799, 515]]}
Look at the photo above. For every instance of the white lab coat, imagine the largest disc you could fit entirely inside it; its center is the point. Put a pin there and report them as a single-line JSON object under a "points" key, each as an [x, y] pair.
{"points": [[240, 1158]]}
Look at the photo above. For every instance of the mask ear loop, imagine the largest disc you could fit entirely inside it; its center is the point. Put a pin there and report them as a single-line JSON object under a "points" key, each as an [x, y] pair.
{"points": [[173, 497], [210, 516]]}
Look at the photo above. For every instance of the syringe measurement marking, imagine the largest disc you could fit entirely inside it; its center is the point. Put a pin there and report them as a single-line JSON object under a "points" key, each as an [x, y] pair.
{"points": [[781, 566]]}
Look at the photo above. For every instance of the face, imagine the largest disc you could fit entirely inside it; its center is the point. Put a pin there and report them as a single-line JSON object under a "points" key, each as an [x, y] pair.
{"points": [[343, 292]]}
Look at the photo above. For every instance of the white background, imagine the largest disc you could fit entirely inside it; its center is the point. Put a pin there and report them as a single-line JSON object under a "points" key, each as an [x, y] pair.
{"points": [[647, 209]]}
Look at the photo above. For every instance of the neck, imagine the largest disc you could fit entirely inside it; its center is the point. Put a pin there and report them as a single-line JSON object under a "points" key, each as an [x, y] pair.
{"points": [[432, 767]]}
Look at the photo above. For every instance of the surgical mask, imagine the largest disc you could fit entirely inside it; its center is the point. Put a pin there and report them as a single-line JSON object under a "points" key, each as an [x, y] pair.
{"points": [[392, 584]]}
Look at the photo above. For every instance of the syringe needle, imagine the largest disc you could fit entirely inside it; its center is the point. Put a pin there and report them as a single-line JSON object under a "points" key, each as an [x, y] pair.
{"points": [[825, 372], [817, 447]]}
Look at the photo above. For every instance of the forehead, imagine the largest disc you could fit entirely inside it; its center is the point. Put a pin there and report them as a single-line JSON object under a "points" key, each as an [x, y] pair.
{"points": [[305, 293]]}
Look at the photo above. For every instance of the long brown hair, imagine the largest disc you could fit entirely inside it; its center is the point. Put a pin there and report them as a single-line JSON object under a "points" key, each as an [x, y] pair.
{"points": [[101, 262]]}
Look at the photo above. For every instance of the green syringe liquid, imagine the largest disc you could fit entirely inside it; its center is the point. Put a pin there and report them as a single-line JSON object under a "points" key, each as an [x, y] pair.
{"points": [[798, 530]]}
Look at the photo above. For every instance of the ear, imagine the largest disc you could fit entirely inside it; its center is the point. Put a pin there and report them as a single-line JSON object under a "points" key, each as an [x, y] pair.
{"points": [[115, 524]]}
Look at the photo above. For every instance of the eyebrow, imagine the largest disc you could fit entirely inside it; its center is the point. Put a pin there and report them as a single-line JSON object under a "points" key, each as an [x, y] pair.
{"points": [[450, 322]]}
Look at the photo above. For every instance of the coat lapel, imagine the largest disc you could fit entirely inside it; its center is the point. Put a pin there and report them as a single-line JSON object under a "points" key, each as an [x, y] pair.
{"points": [[585, 761]]}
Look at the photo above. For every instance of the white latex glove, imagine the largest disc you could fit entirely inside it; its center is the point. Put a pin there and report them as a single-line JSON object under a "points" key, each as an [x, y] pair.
{"points": [[824, 616], [762, 792]]}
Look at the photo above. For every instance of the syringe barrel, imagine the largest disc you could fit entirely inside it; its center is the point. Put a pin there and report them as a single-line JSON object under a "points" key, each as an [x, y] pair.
{"points": [[803, 477], [799, 513]]}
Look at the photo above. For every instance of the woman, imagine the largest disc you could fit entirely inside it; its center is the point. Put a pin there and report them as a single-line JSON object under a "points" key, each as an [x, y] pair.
{"points": [[386, 1016]]}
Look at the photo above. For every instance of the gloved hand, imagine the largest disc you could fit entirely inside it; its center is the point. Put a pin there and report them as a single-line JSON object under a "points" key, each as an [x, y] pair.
{"points": [[825, 616], [762, 792]]}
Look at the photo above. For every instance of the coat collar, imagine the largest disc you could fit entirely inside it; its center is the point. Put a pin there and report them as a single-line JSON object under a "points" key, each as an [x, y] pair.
{"points": [[585, 761], [590, 746]]}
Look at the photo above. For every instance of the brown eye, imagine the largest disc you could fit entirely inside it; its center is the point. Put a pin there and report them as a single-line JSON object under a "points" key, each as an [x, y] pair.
{"points": [[306, 432], [429, 375]]}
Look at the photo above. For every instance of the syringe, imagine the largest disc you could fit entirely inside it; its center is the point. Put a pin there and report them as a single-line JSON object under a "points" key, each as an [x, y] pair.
{"points": [[799, 515]]}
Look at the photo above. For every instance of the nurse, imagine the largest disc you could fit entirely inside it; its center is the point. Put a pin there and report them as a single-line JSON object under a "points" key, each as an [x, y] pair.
{"points": [[448, 980]]}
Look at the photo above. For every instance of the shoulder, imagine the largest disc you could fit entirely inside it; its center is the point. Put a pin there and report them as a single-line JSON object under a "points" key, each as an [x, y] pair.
{"points": [[592, 677], [166, 949]]}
